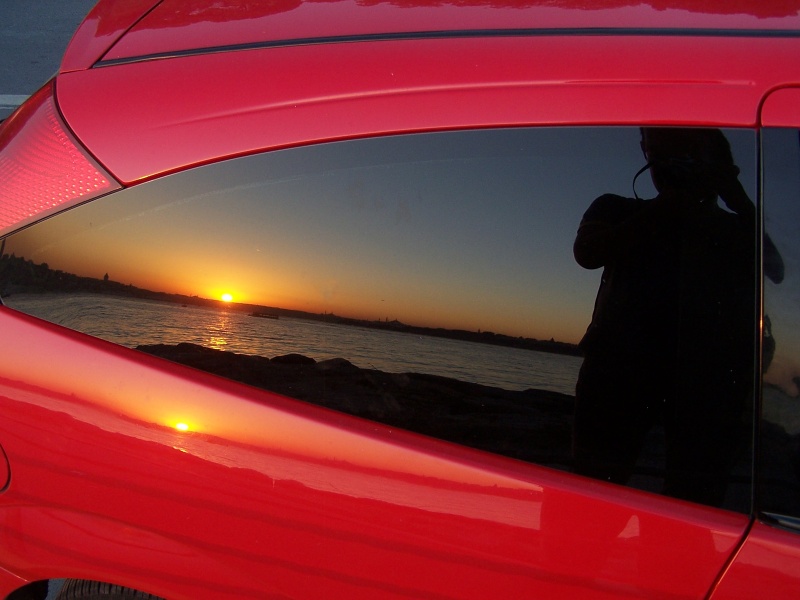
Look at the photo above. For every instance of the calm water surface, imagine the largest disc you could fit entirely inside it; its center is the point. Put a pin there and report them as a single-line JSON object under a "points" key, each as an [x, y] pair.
{"points": [[131, 322]]}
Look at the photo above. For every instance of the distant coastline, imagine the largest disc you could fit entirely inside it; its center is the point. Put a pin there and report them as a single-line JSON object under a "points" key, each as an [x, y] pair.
{"points": [[19, 275]]}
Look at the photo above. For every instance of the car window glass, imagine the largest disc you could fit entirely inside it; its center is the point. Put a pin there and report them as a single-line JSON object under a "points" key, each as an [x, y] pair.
{"points": [[780, 427], [430, 282]]}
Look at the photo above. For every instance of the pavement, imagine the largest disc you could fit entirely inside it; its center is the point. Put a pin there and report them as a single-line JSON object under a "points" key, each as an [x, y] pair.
{"points": [[33, 36]]}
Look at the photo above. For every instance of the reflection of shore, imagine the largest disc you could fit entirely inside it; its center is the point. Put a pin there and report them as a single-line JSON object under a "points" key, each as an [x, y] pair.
{"points": [[780, 444], [18, 275], [783, 374], [780, 407], [532, 425]]}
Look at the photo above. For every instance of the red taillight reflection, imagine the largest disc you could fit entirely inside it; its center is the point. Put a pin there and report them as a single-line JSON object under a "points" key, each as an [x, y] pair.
{"points": [[42, 170]]}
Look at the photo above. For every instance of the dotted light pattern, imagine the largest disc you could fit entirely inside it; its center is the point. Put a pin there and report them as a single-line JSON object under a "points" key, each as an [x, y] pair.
{"points": [[41, 168]]}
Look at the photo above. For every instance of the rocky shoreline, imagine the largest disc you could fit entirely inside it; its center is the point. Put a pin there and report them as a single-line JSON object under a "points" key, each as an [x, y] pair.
{"points": [[531, 425]]}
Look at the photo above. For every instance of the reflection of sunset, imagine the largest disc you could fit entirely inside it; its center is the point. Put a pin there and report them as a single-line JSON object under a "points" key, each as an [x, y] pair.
{"points": [[284, 440], [451, 239]]}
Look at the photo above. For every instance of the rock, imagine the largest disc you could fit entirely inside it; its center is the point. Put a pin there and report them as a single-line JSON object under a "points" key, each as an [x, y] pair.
{"points": [[532, 425], [293, 359]]}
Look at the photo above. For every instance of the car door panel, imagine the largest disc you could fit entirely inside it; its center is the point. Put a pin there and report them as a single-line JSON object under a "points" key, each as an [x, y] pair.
{"points": [[272, 494]]}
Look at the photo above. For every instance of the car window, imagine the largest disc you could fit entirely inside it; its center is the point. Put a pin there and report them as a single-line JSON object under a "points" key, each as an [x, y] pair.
{"points": [[512, 290], [780, 427]]}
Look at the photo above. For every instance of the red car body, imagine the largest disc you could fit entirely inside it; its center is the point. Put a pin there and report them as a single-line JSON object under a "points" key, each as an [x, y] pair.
{"points": [[280, 499]]}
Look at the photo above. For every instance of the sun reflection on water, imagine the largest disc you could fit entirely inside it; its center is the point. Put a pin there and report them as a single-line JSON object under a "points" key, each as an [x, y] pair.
{"points": [[219, 331]]}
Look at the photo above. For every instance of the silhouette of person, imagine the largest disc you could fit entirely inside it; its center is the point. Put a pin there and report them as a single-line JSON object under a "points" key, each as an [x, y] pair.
{"points": [[672, 338]]}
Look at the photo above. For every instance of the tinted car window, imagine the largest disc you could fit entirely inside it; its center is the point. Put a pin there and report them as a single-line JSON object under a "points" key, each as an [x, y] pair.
{"points": [[434, 282], [780, 447]]}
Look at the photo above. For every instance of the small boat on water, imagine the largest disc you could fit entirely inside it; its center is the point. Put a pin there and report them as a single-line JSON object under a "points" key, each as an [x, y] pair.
{"points": [[263, 315]]}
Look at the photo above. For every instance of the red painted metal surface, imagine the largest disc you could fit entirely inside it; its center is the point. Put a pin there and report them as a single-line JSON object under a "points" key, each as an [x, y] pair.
{"points": [[782, 108], [269, 497], [203, 108], [9, 583], [765, 567], [103, 26], [186, 24]]}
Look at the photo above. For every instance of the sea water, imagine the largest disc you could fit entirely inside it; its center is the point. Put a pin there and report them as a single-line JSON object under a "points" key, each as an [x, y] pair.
{"points": [[132, 322]]}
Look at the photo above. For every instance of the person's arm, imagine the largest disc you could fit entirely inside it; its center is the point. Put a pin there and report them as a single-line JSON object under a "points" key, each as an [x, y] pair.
{"points": [[600, 241], [736, 199]]}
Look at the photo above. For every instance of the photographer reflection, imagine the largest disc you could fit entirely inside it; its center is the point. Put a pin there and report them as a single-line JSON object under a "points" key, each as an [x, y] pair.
{"points": [[672, 336]]}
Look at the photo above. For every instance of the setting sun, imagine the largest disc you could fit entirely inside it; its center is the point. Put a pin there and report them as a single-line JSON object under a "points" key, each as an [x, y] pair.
{"points": [[227, 297]]}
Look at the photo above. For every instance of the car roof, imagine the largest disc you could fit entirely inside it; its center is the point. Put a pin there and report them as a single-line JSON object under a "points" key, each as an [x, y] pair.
{"points": [[426, 67], [189, 26]]}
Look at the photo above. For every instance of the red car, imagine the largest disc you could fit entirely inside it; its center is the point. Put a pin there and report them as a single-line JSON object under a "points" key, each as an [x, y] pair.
{"points": [[405, 300]]}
